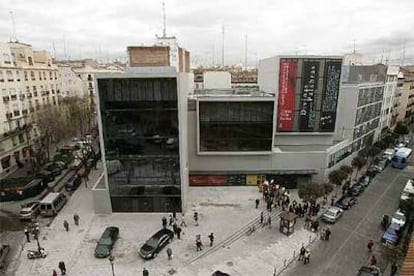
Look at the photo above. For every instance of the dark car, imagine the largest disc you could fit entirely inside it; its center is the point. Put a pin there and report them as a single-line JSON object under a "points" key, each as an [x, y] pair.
{"points": [[46, 176], [346, 202], [364, 180], [4, 251], [219, 273], [355, 190], [369, 271], [72, 183], [106, 242], [372, 171], [157, 242], [54, 168]]}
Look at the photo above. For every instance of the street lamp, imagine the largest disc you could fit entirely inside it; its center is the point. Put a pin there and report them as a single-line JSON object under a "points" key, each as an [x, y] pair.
{"points": [[111, 261]]}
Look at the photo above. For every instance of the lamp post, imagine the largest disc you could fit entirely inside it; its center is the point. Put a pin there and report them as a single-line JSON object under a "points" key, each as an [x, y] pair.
{"points": [[111, 261]]}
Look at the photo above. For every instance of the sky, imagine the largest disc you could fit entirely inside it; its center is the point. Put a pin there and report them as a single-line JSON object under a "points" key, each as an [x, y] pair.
{"points": [[103, 29]]}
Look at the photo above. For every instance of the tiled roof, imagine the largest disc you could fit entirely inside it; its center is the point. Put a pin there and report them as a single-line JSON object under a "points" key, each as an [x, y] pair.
{"points": [[408, 265]]}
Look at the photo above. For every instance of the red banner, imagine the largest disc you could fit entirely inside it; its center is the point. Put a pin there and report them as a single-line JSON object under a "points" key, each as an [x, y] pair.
{"points": [[286, 103], [208, 180]]}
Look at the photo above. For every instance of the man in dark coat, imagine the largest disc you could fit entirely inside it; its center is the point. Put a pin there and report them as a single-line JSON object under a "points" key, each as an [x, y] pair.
{"points": [[62, 267], [145, 272]]}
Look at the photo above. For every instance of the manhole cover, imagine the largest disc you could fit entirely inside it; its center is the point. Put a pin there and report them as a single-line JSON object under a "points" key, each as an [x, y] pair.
{"points": [[229, 263]]}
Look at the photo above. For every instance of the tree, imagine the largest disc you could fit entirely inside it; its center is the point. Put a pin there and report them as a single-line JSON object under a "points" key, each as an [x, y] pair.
{"points": [[373, 152], [313, 191], [401, 129], [388, 140], [358, 162], [381, 145], [348, 170], [337, 176]]}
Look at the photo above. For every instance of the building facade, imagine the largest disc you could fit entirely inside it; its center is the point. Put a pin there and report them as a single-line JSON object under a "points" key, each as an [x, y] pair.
{"points": [[29, 82], [406, 108], [390, 90], [71, 84]]}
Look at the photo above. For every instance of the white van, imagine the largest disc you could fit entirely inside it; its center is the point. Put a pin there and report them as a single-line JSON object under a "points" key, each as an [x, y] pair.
{"points": [[52, 204], [408, 190]]}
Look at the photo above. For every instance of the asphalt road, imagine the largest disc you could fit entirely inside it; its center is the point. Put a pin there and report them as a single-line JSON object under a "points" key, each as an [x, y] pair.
{"points": [[347, 250]]}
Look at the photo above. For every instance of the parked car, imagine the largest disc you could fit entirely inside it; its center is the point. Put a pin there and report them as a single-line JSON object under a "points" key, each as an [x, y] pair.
{"points": [[53, 168], [392, 235], [72, 183], [369, 271], [355, 190], [4, 251], [332, 214], [346, 202], [157, 242], [29, 210], [46, 176], [365, 180], [372, 171], [61, 164], [106, 242], [381, 163], [399, 218]]}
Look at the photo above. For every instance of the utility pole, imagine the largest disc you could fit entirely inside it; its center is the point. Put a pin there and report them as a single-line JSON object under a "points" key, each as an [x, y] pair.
{"points": [[222, 45], [64, 48], [403, 54], [164, 17], [13, 28], [354, 47], [213, 56], [245, 51]]}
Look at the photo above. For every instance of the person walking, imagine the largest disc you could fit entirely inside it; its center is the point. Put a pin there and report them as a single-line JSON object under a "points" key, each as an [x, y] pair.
{"points": [[179, 232], [306, 257], [327, 233], [373, 260], [54, 273], [394, 269], [145, 272], [175, 227], [169, 253], [183, 221], [261, 218], [199, 244], [164, 222], [257, 203], [76, 219], [196, 218], [66, 225], [370, 245], [269, 221], [62, 267], [171, 219], [211, 237], [302, 253], [26, 232]]}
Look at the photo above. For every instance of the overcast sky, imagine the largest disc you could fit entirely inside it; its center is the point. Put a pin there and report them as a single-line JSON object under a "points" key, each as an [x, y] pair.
{"points": [[103, 29]]}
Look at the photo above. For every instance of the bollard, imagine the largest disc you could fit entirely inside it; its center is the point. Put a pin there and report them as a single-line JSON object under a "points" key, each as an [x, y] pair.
{"points": [[294, 254], [284, 262], [310, 238]]}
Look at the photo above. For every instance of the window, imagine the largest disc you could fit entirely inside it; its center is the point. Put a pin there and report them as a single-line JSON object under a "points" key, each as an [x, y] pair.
{"points": [[32, 75], [50, 75], [5, 162], [17, 75], [40, 75], [25, 76], [44, 75], [27, 89], [34, 91], [13, 97], [21, 138], [30, 60], [16, 113], [55, 76], [6, 58], [9, 75], [1, 76], [6, 99]]}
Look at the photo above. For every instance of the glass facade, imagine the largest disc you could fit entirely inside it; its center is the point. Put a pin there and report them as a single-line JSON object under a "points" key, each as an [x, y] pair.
{"points": [[235, 126], [140, 130]]}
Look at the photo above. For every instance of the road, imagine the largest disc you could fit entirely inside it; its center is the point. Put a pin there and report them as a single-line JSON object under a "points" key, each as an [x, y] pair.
{"points": [[347, 250]]}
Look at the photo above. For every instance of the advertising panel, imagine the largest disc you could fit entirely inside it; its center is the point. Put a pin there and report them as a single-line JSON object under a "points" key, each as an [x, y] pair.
{"points": [[254, 179], [207, 180], [330, 95], [286, 103], [307, 109]]}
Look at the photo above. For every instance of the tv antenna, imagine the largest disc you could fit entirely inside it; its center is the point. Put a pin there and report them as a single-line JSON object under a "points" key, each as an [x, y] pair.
{"points": [[222, 45], [164, 17]]}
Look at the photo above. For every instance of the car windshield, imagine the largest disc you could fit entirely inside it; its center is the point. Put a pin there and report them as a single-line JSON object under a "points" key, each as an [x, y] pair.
{"points": [[105, 241], [399, 216], [152, 242], [25, 212], [330, 213]]}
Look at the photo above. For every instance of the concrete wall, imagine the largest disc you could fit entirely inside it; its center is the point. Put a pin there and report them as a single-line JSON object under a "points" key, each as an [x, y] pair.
{"points": [[268, 75], [149, 56], [217, 80], [101, 199], [303, 138], [346, 112], [187, 62]]}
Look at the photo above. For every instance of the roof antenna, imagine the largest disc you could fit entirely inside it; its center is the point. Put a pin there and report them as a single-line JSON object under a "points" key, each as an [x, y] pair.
{"points": [[354, 47], [164, 31], [14, 28]]}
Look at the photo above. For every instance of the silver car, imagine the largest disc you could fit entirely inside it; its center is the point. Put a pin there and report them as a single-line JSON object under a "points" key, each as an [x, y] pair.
{"points": [[29, 210], [332, 214]]}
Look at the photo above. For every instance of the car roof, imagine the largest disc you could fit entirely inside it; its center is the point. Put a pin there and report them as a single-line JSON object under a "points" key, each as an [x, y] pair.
{"points": [[161, 232], [334, 209]]}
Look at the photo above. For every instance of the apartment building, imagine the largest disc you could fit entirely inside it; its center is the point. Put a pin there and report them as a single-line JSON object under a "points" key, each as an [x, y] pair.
{"points": [[406, 108], [390, 91], [71, 84], [29, 81]]}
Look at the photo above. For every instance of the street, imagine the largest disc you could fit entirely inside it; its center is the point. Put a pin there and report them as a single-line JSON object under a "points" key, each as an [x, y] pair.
{"points": [[347, 249]]}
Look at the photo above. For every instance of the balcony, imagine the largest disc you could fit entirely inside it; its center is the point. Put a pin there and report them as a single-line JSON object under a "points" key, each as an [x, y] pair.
{"points": [[18, 130]]}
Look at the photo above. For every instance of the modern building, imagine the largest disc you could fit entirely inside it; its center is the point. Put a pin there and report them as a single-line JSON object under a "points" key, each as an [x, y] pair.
{"points": [[29, 82]]}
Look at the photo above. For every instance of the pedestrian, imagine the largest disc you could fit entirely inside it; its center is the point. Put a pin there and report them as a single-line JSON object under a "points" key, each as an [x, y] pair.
{"points": [[332, 200], [370, 245], [261, 217], [196, 218], [179, 233], [294, 202], [62, 267], [306, 256], [327, 233], [183, 221], [325, 199], [302, 253], [169, 253], [269, 221], [164, 222], [199, 244], [257, 203], [175, 227], [211, 237], [66, 225], [174, 215], [171, 219], [76, 219], [394, 269], [26, 232], [54, 273], [373, 261], [145, 272]]}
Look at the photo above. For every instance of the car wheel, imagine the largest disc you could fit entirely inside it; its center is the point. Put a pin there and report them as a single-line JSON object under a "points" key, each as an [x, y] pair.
{"points": [[155, 254]]}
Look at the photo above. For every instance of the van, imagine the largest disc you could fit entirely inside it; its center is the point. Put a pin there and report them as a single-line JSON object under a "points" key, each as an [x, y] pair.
{"points": [[408, 191], [52, 204], [389, 153]]}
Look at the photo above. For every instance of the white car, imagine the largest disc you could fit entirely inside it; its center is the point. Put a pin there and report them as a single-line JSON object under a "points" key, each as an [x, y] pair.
{"points": [[332, 214], [399, 218]]}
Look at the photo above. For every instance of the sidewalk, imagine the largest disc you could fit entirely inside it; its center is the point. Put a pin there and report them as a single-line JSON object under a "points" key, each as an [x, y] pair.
{"points": [[221, 210]]}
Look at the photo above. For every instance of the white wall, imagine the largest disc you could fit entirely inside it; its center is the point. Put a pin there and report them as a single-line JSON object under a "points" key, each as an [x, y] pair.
{"points": [[346, 112], [217, 80]]}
